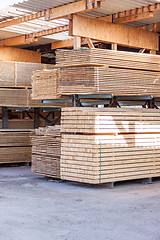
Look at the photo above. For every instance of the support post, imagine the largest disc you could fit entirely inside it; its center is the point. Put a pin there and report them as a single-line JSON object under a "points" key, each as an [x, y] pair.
{"points": [[36, 118], [114, 46], [76, 101], [77, 42], [4, 118]]}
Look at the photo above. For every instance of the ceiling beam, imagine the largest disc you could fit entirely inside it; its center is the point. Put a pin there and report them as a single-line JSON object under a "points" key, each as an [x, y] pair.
{"points": [[55, 13], [62, 44], [155, 27], [32, 37], [113, 33], [132, 15]]}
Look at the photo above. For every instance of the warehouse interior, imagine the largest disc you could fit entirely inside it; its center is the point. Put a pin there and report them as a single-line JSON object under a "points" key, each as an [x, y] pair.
{"points": [[79, 119]]}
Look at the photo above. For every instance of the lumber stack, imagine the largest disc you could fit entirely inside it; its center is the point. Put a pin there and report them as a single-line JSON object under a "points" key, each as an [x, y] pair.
{"points": [[44, 85], [92, 71], [112, 58], [83, 80], [110, 144], [16, 84], [18, 74], [15, 146], [46, 150]]}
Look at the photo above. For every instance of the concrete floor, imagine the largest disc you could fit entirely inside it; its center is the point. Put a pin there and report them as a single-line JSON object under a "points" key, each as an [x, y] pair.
{"points": [[32, 208]]}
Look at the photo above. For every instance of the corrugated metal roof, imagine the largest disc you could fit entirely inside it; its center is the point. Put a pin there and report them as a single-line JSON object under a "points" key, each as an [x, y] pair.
{"points": [[108, 7], [39, 5], [31, 26]]}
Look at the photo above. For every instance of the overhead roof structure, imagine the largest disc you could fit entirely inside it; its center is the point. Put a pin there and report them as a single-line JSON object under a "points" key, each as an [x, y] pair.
{"points": [[108, 8]]}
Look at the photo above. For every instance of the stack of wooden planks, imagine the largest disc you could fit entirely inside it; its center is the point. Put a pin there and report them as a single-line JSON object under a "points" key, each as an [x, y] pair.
{"points": [[107, 71], [44, 85], [18, 74], [118, 81], [112, 58], [46, 150], [16, 84], [15, 146], [110, 144]]}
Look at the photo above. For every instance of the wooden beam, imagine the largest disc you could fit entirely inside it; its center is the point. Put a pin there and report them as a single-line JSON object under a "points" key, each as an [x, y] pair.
{"points": [[133, 17], [62, 44], [55, 13], [133, 14], [19, 55], [155, 27], [32, 37], [113, 33], [108, 18], [90, 43]]}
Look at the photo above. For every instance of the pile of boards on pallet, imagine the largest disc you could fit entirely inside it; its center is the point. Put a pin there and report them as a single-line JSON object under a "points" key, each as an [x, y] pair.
{"points": [[101, 145], [90, 71], [15, 146], [15, 83], [46, 149]]}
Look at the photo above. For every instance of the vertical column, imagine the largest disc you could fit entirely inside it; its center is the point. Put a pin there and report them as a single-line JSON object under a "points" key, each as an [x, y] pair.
{"points": [[114, 46], [36, 118], [77, 42], [4, 118]]}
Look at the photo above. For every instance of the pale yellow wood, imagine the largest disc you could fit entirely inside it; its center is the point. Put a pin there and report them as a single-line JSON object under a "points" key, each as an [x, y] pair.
{"points": [[113, 33], [77, 42], [62, 44], [19, 55], [90, 43], [32, 37]]}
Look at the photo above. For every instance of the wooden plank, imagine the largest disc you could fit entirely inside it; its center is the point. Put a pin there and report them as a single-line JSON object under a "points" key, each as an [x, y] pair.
{"points": [[113, 33], [19, 55]]}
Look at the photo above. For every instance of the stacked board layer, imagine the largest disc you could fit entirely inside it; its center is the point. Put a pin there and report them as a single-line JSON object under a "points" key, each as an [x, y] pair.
{"points": [[110, 144], [46, 150], [15, 146], [118, 81], [123, 73], [44, 85], [112, 58]]}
